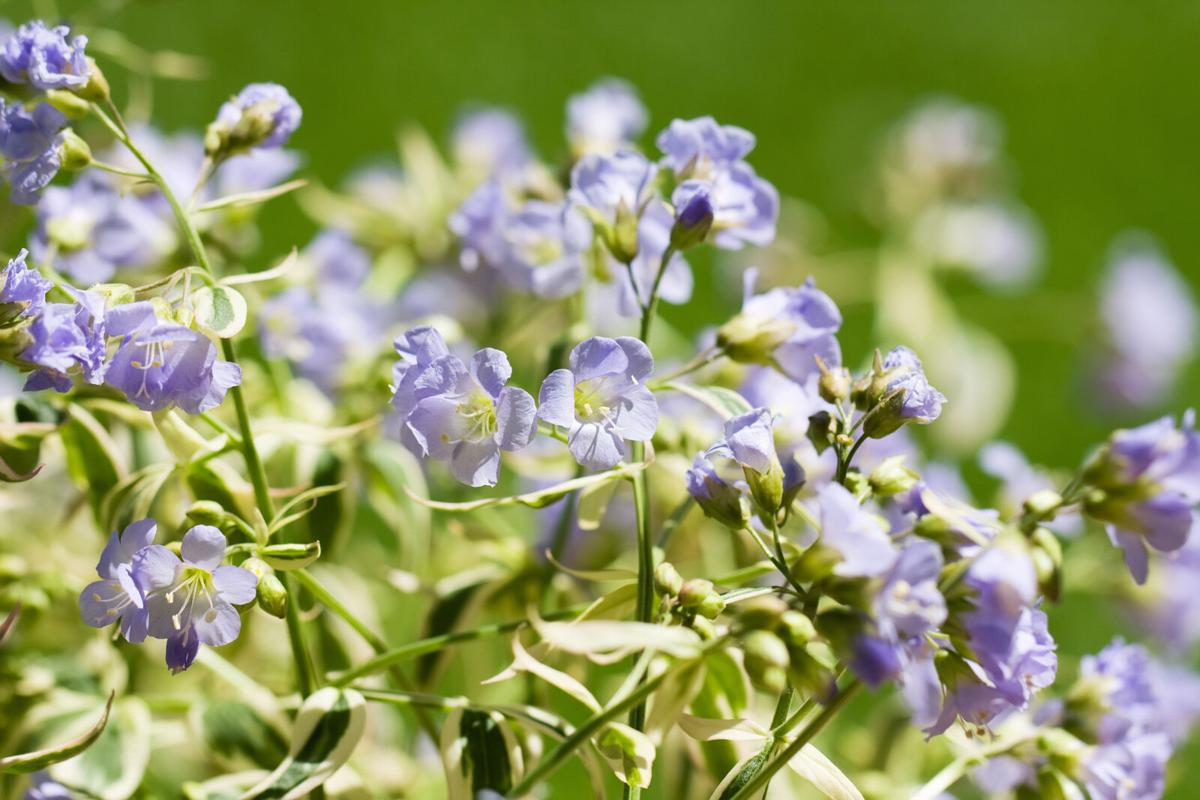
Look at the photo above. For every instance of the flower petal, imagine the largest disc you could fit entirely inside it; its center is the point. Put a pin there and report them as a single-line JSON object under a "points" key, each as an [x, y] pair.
{"points": [[637, 416], [476, 463], [556, 400], [204, 547], [515, 418], [217, 624], [491, 368], [154, 567], [594, 447], [234, 584]]}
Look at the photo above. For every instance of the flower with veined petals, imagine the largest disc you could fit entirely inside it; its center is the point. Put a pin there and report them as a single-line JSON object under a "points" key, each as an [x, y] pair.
{"points": [[117, 596]]}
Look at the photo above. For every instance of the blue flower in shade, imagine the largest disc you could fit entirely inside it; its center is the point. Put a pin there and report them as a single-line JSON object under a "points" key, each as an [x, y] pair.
{"points": [[653, 236], [467, 415], [906, 606], [920, 401], [161, 364], [117, 596], [544, 249], [94, 229], [602, 399], [191, 601], [859, 537], [43, 787], [605, 118], [490, 141], [720, 499], [66, 336], [1150, 477], [417, 348], [44, 58], [31, 144], [23, 286], [268, 101], [602, 186], [795, 326], [707, 158]]}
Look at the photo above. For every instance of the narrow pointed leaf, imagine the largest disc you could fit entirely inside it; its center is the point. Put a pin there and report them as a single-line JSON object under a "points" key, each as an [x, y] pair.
{"points": [[40, 759]]}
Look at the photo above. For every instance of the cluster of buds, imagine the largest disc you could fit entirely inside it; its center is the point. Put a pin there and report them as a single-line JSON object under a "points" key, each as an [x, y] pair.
{"points": [[693, 603], [782, 646]]}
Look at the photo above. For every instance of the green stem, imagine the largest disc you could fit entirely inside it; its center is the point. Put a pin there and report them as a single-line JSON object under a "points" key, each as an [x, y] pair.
{"points": [[844, 463], [702, 360], [796, 745], [113, 169], [645, 576], [304, 667], [652, 304], [674, 520]]}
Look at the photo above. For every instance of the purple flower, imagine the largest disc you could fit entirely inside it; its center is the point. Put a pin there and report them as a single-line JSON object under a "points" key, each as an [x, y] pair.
{"points": [[43, 787], [718, 498], [786, 328], [750, 441], [191, 601], [707, 159], [1004, 583], [1020, 481], [467, 415], [44, 58], [337, 260], [417, 348], [266, 110], [480, 222], [161, 364], [545, 249], [605, 187], [24, 287], [1123, 675], [859, 537], [1151, 323], [1129, 770], [1150, 482], [94, 229], [920, 402], [117, 596], [65, 336], [604, 118], [602, 399], [490, 141], [31, 144]]}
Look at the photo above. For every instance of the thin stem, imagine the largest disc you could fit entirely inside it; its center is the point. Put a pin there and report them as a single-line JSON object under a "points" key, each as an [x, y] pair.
{"points": [[950, 774], [780, 564], [702, 360], [115, 170], [645, 576], [844, 463], [796, 745], [674, 521], [304, 668], [652, 303]]}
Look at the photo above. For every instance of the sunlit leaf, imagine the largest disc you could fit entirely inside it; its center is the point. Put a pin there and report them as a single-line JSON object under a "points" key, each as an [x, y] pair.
{"points": [[724, 402], [219, 310], [629, 753], [114, 766], [40, 759], [479, 752], [812, 765], [252, 198], [538, 499]]}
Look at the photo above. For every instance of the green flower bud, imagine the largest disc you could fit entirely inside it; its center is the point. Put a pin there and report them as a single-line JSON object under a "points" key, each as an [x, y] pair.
{"points": [[891, 477], [796, 628], [622, 238], [208, 512], [712, 606], [1043, 504], [834, 385], [272, 597], [70, 104], [1046, 552], [76, 154], [290, 556], [766, 487], [667, 580], [751, 339], [694, 592], [767, 660], [96, 89], [703, 627], [762, 612]]}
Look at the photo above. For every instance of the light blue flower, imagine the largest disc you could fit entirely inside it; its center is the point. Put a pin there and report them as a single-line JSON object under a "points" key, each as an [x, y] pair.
{"points": [[24, 287], [67, 336], [31, 144], [490, 141], [604, 186], [44, 58], [920, 402], [602, 399], [267, 110], [855, 534], [545, 247], [117, 596], [604, 118]]}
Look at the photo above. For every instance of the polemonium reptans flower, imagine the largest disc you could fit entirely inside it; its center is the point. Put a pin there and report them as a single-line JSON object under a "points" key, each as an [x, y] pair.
{"points": [[1020, 480], [162, 364], [254, 171], [785, 328], [718, 498], [44, 57], [67, 336], [750, 441], [1148, 482], [856, 535], [707, 159], [1151, 323], [606, 187], [545, 246], [191, 601], [31, 144], [479, 223], [919, 402], [417, 348], [467, 415], [94, 230], [23, 287], [602, 399], [653, 235], [604, 118], [490, 141], [117, 596], [262, 115]]}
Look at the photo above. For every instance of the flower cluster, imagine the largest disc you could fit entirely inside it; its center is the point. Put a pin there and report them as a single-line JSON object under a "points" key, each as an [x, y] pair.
{"points": [[150, 591]]}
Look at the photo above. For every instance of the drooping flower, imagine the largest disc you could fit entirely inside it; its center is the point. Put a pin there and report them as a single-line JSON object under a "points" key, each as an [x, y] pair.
{"points": [[67, 336], [604, 118], [117, 596], [31, 144], [1150, 323], [856, 535], [44, 57], [191, 601], [719, 498], [1148, 484], [707, 159], [162, 364], [602, 399], [25, 288], [785, 328], [466, 415], [920, 402], [261, 115]]}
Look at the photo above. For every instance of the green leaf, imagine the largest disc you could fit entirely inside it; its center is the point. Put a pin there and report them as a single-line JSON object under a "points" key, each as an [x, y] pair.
{"points": [[524, 662], [9, 621], [20, 447], [629, 753], [232, 727], [219, 311], [93, 459], [538, 499], [113, 767], [278, 271], [725, 402], [744, 772], [718, 730], [479, 752], [40, 759], [301, 505], [245, 199], [812, 765], [133, 496], [607, 641], [327, 729]]}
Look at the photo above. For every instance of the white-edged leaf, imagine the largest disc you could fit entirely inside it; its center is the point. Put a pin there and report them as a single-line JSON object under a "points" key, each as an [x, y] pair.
{"points": [[629, 753], [812, 765], [244, 199], [524, 662], [538, 499], [606, 641], [675, 694], [277, 271], [725, 402], [40, 759], [328, 727], [479, 752], [730, 730], [219, 310], [114, 765], [593, 502]]}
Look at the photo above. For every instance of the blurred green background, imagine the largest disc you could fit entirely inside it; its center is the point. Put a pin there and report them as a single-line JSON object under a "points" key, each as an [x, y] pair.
{"points": [[1097, 100]]}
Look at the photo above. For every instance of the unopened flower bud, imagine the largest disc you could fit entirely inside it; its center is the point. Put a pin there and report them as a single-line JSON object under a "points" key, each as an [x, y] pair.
{"points": [[753, 339], [712, 606], [76, 154], [694, 592], [761, 612], [207, 512], [703, 627], [891, 477], [834, 384], [96, 89], [767, 660], [272, 596], [766, 487], [796, 628], [1046, 553], [693, 221], [821, 430], [621, 238], [1043, 504], [667, 580], [69, 103]]}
